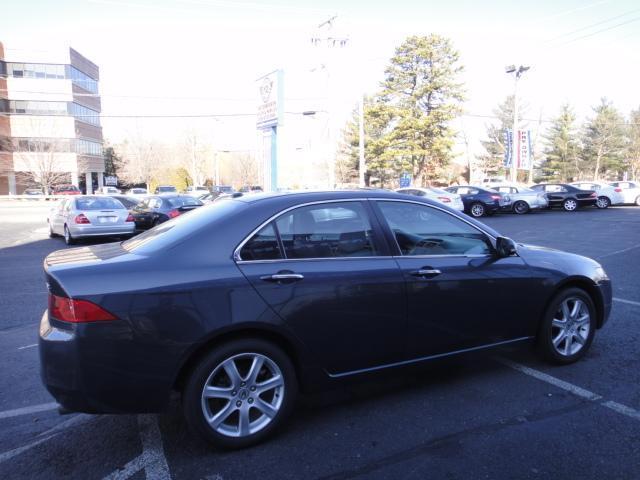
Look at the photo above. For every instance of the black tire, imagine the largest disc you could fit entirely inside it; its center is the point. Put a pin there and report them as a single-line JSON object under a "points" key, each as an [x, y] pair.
{"points": [[477, 210], [192, 394], [544, 340], [521, 207], [603, 202], [570, 205], [68, 239], [638, 200]]}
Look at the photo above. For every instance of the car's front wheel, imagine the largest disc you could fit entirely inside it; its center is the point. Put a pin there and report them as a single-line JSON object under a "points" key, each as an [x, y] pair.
{"points": [[603, 202], [568, 327], [68, 239], [240, 393]]}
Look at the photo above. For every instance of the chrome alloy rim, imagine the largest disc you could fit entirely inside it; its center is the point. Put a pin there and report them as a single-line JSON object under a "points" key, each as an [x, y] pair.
{"points": [[570, 204], [242, 395], [521, 207], [477, 210], [570, 326], [67, 234], [602, 202]]}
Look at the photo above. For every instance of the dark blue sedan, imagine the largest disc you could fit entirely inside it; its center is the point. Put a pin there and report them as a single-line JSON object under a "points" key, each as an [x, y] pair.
{"points": [[479, 201], [241, 304]]}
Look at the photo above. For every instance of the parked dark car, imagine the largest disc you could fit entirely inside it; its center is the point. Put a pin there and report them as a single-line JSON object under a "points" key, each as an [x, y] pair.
{"points": [[157, 209], [568, 197], [165, 189], [478, 201], [66, 190], [127, 201], [303, 290]]}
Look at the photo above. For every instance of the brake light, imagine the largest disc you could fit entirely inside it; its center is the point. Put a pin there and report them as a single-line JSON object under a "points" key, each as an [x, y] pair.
{"points": [[81, 219], [444, 199], [496, 197], [617, 190], [173, 213], [593, 194], [130, 218], [77, 311]]}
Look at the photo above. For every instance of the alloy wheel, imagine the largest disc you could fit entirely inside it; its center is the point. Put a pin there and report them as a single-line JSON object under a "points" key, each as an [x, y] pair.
{"points": [[602, 202], [521, 207], [242, 395], [477, 210], [570, 326], [570, 205]]}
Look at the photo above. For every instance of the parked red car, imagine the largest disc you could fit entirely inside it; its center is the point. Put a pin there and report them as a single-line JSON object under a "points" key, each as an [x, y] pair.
{"points": [[66, 190]]}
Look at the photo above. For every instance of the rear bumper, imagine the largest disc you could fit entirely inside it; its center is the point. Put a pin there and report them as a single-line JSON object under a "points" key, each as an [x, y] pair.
{"points": [[81, 231], [86, 368]]}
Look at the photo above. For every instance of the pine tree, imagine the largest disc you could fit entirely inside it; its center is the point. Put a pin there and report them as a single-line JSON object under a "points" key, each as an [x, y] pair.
{"points": [[604, 143], [419, 98], [632, 154], [562, 159]]}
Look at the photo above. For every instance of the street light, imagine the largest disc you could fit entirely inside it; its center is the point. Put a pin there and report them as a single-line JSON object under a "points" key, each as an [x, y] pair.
{"points": [[517, 73]]}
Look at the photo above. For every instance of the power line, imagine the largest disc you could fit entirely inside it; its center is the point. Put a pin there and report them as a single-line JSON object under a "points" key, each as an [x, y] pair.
{"points": [[568, 34], [597, 32]]}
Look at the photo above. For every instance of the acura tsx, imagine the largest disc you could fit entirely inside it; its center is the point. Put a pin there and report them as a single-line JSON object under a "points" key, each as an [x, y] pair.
{"points": [[241, 304]]}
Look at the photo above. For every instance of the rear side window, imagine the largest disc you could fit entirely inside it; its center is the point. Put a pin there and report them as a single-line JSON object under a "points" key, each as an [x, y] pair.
{"points": [[183, 201], [422, 230], [340, 229], [262, 246]]}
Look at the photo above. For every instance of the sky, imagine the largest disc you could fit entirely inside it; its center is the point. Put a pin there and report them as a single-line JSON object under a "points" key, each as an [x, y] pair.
{"points": [[161, 57]]}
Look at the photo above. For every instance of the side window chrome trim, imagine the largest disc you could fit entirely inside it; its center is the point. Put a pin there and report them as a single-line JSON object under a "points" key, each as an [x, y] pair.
{"points": [[236, 252]]}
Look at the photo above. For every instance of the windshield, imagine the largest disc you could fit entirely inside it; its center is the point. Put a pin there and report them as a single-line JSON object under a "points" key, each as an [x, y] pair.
{"points": [[98, 203]]}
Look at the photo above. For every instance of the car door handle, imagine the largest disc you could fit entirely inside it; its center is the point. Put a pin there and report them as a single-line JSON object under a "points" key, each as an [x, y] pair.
{"points": [[426, 272], [279, 277]]}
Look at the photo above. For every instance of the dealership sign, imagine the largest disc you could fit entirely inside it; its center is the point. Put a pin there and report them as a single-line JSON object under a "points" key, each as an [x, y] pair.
{"points": [[269, 112], [523, 150], [111, 181]]}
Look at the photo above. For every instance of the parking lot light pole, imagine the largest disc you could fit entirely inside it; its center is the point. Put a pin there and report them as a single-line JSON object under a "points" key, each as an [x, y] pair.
{"points": [[515, 138]]}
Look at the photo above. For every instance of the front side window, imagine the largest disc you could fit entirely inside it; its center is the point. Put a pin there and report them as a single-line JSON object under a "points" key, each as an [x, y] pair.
{"points": [[332, 230], [423, 230]]}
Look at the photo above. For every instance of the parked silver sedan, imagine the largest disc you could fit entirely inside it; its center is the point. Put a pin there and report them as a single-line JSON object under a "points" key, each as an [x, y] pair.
{"points": [[90, 216], [523, 199], [452, 200]]}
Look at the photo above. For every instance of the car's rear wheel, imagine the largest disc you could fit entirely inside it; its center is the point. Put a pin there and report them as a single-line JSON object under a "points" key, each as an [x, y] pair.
{"points": [[240, 393], [68, 239], [638, 200], [603, 202], [51, 234], [477, 210], [568, 327], [521, 207], [570, 205]]}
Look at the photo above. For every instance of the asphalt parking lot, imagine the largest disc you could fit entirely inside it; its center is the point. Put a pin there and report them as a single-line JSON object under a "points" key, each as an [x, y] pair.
{"points": [[504, 415]]}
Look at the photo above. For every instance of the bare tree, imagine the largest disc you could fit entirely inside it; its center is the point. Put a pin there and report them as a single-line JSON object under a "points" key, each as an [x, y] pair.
{"points": [[245, 169], [140, 160], [197, 157]]}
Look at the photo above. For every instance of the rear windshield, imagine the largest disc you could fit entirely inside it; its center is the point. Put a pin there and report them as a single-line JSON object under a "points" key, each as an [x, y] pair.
{"points": [[166, 189], [183, 201], [439, 191], [98, 203]]}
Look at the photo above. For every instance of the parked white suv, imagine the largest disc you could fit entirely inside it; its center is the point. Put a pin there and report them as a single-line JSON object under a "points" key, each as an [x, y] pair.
{"points": [[630, 191], [607, 194]]}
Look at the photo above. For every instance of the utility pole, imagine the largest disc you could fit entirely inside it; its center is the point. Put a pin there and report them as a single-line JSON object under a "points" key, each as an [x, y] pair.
{"points": [[326, 37], [361, 164], [515, 137]]}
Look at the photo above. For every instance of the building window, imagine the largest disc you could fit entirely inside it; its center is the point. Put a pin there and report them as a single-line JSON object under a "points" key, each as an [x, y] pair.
{"points": [[84, 114], [82, 79], [60, 145], [86, 147], [32, 107]]}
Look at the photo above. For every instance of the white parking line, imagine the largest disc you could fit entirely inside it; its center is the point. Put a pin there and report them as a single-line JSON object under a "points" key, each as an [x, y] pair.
{"points": [[629, 302], [28, 346], [129, 470], [617, 252], [156, 467], [28, 410], [17, 451], [569, 387]]}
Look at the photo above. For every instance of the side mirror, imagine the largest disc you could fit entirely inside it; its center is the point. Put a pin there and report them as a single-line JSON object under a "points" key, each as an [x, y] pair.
{"points": [[505, 247]]}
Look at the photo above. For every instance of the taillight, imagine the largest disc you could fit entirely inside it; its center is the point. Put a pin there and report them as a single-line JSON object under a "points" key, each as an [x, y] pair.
{"points": [[593, 194], [618, 190], [77, 311], [173, 213], [130, 218], [81, 219], [444, 199], [495, 197]]}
